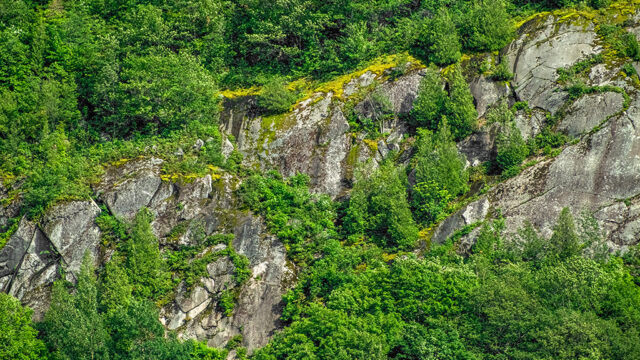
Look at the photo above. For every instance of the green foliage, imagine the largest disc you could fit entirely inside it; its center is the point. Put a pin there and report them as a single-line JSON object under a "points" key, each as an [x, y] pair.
{"points": [[275, 98], [624, 43], [432, 103], [512, 149], [438, 41], [227, 302], [158, 93], [502, 72], [486, 26], [378, 209], [629, 70], [142, 259], [302, 221], [430, 202], [72, 327], [459, 109], [429, 104], [437, 160], [189, 262], [440, 175], [17, 335], [565, 241], [11, 228], [569, 74]]}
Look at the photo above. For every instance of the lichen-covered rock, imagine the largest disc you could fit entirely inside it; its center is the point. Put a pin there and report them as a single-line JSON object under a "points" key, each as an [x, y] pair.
{"points": [[257, 311], [481, 145], [314, 139], [72, 230], [543, 46], [589, 111], [470, 214], [592, 175], [29, 264], [530, 123], [487, 92], [128, 188]]}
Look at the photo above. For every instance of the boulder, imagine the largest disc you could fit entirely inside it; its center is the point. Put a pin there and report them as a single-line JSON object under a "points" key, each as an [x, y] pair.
{"points": [[544, 45], [72, 230], [590, 111]]}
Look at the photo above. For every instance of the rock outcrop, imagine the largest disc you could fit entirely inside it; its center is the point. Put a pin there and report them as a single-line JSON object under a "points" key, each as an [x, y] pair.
{"points": [[599, 171], [314, 138], [37, 252]]}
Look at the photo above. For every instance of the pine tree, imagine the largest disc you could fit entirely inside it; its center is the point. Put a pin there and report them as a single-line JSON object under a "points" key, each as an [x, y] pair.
{"points": [[565, 241], [459, 108], [429, 105], [73, 327], [442, 37]]}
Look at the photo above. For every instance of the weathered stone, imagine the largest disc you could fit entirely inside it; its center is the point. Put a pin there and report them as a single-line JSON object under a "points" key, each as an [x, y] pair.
{"points": [[530, 123], [481, 145], [227, 147], [486, 93], [590, 175], [589, 111], [71, 228], [128, 188], [544, 46], [361, 81], [474, 212], [198, 145]]}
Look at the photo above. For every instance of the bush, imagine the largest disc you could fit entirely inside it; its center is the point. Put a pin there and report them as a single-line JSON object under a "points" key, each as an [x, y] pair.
{"points": [[629, 69], [439, 42], [156, 94], [432, 103], [512, 150], [429, 104], [623, 42], [18, 338], [487, 26], [460, 109], [430, 202], [437, 160], [502, 72], [378, 208], [275, 98]]}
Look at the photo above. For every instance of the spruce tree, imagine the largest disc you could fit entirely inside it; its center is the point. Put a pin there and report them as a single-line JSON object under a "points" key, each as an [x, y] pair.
{"points": [[565, 241]]}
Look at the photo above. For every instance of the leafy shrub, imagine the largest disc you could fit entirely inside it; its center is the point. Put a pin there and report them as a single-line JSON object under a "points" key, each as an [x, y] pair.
{"points": [[157, 94], [143, 261], [629, 69], [624, 43], [429, 104], [460, 109], [275, 98], [18, 338], [512, 150], [439, 42], [502, 72], [430, 202], [437, 161], [433, 103], [599, 4], [227, 302], [302, 221], [486, 26], [378, 208]]}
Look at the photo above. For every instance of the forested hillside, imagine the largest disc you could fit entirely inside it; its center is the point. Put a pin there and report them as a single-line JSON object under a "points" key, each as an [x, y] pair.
{"points": [[302, 179]]}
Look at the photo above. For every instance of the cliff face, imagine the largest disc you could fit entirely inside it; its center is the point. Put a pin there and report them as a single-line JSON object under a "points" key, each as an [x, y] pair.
{"points": [[598, 172]]}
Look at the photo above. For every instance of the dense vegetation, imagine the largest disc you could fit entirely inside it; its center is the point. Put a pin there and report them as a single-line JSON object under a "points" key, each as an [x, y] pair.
{"points": [[84, 83]]}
